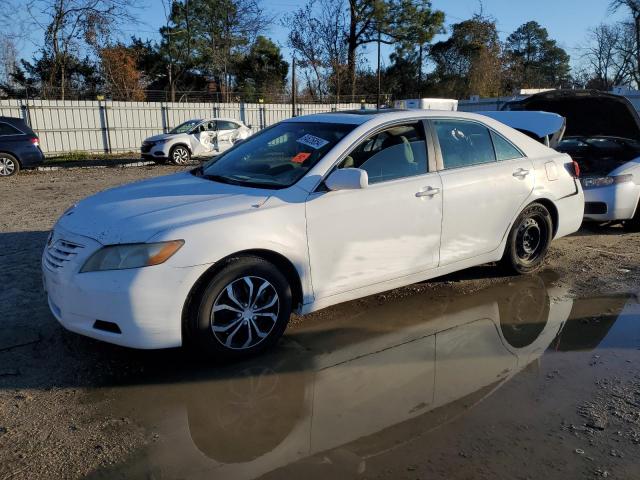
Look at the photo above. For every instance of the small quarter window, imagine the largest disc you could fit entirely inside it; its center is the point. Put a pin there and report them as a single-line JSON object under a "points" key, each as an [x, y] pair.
{"points": [[6, 129], [463, 143], [505, 150]]}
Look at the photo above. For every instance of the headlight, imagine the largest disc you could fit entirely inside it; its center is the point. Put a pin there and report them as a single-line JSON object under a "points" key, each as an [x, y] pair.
{"points": [[592, 182], [160, 142], [133, 255]]}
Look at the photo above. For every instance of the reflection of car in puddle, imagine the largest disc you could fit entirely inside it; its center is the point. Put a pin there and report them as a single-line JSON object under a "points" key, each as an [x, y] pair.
{"points": [[368, 381]]}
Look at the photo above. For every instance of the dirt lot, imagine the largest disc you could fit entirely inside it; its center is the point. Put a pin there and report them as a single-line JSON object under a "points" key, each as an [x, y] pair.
{"points": [[72, 407]]}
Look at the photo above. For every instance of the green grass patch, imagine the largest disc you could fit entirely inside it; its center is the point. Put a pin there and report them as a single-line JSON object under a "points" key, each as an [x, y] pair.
{"points": [[82, 156]]}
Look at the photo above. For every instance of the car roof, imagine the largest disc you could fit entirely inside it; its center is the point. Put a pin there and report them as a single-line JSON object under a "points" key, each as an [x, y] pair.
{"points": [[12, 120], [359, 117], [226, 119]]}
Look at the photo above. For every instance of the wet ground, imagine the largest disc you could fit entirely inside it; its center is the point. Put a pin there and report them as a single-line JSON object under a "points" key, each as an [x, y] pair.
{"points": [[471, 376]]}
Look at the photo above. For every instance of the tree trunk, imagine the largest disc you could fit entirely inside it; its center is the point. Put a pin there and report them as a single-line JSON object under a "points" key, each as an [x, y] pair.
{"points": [[352, 46], [636, 19], [420, 70]]}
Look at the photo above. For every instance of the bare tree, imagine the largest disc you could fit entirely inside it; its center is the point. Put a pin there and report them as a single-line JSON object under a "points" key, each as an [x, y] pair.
{"points": [[8, 59], [316, 34], [67, 24], [633, 8], [610, 55]]}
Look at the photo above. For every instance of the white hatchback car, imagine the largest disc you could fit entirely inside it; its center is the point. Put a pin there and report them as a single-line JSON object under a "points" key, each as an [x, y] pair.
{"points": [[194, 138], [310, 212]]}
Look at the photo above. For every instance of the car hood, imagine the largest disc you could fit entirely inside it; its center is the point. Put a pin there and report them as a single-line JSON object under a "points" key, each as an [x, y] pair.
{"points": [[589, 113], [164, 136], [138, 211]]}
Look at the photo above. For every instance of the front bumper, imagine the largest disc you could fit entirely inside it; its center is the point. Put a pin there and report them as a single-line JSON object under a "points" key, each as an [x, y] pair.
{"points": [[155, 152], [613, 202], [145, 303]]}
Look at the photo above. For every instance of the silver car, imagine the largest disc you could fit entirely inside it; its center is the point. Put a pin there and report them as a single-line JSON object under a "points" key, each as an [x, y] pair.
{"points": [[194, 138], [603, 137]]}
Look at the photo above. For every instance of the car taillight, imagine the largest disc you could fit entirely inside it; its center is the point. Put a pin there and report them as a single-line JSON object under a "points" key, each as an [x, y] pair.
{"points": [[573, 168], [35, 141]]}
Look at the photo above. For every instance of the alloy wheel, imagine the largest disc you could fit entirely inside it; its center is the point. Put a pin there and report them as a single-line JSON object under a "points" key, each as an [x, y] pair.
{"points": [[7, 166], [180, 156], [245, 312]]}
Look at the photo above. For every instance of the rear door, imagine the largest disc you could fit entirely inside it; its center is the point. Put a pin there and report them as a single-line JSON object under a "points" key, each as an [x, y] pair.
{"points": [[227, 133], [485, 181]]}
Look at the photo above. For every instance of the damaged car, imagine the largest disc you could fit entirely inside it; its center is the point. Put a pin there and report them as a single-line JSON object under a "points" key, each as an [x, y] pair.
{"points": [[603, 136], [310, 212], [194, 138]]}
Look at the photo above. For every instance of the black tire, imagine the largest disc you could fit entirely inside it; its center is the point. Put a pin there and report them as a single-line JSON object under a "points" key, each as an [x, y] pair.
{"points": [[633, 225], [240, 327], [528, 240], [9, 165], [179, 155]]}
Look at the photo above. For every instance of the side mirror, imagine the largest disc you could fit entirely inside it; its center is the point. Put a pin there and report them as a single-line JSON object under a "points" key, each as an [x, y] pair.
{"points": [[347, 179]]}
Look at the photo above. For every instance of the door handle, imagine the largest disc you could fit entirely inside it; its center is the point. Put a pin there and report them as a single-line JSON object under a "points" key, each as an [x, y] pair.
{"points": [[429, 192], [521, 172]]}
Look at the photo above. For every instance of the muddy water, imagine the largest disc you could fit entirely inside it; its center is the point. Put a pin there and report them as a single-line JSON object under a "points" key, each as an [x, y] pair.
{"points": [[515, 381]]}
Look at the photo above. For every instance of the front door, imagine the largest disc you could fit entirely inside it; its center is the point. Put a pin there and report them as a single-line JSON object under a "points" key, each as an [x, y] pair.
{"points": [[485, 180], [387, 230]]}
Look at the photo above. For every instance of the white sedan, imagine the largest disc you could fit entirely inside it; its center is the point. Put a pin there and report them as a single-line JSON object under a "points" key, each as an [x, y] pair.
{"points": [[194, 138], [310, 212]]}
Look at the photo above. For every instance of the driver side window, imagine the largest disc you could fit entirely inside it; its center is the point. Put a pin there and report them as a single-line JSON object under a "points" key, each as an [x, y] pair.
{"points": [[396, 152]]}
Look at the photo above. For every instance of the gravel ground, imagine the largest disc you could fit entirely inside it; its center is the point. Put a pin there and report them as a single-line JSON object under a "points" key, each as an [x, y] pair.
{"points": [[50, 424]]}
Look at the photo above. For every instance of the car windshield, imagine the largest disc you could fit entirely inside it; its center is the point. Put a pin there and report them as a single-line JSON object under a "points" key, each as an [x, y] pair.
{"points": [[186, 126], [276, 157]]}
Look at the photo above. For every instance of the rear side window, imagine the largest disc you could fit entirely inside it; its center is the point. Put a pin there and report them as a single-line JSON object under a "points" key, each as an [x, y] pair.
{"points": [[505, 150], [464, 143], [6, 129], [226, 125]]}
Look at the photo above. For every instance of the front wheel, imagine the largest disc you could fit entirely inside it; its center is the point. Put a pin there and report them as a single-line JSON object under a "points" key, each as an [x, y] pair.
{"points": [[243, 310], [180, 155], [528, 240]]}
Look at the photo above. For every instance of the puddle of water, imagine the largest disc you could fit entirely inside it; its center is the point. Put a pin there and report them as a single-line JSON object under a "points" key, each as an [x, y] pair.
{"points": [[346, 390]]}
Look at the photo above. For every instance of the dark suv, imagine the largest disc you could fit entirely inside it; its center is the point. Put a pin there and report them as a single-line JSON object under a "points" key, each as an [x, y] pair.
{"points": [[19, 146]]}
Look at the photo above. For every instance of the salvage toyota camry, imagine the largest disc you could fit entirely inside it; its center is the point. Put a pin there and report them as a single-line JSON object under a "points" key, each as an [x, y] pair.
{"points": [[310, 212]]}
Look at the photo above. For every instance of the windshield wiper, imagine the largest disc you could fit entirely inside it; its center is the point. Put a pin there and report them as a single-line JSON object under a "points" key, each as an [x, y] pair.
{"points": [[242, 183], [220, 179]]}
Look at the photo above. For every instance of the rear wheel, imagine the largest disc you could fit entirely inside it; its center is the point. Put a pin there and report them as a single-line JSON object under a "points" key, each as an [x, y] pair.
{"points": [[243, 310], [9, 165], [528, 240], [180, 155]]}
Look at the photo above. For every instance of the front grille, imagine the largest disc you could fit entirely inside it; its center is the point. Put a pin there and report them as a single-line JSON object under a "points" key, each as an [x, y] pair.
{"points": [[60, 252], [595, 208], [146, 147]]}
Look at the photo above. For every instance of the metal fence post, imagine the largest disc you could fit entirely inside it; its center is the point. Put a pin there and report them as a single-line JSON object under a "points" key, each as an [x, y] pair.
{"points": [[242, 113], [163, 118], [26, 113], [106, 134]]}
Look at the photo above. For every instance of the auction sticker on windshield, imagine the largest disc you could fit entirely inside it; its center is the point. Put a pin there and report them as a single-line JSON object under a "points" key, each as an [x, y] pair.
{"points": [[312, 141]]}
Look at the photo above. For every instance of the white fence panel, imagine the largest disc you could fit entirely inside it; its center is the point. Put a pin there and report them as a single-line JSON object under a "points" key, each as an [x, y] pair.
{"points": [[107, 126]]}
